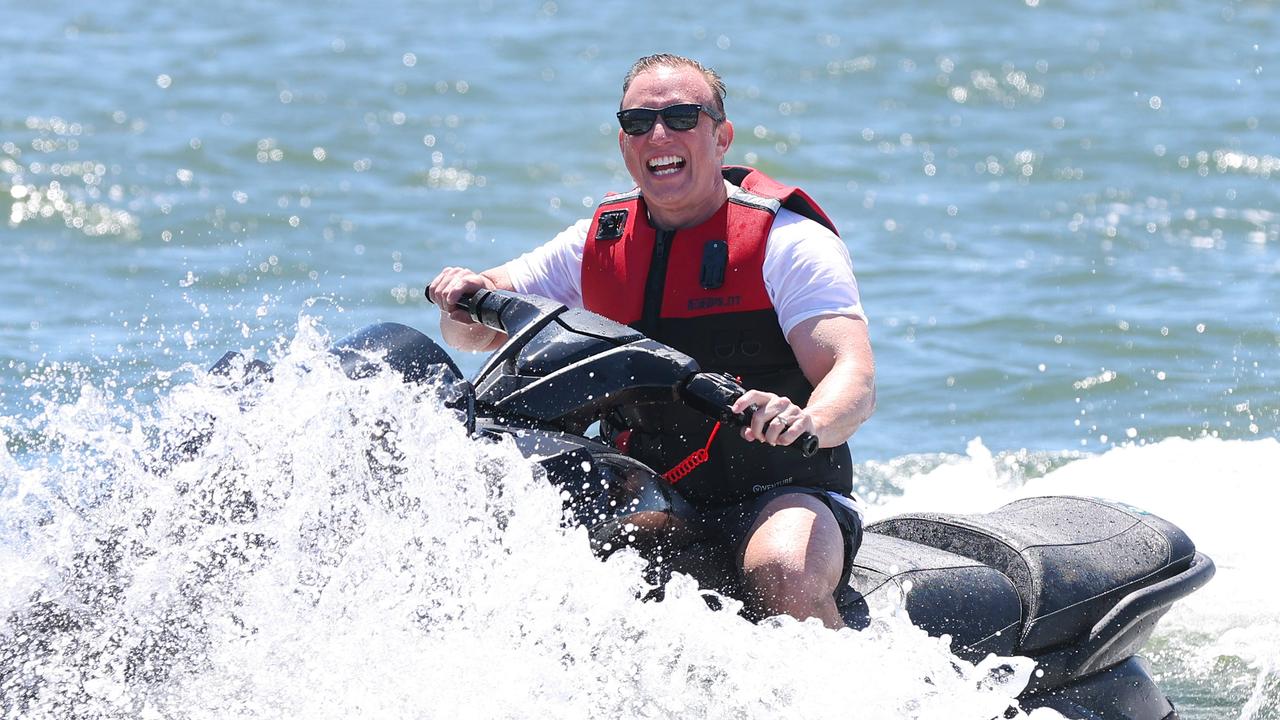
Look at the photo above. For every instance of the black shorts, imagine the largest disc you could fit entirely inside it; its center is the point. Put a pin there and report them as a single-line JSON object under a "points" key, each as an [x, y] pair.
{"points": [[731, 523]]}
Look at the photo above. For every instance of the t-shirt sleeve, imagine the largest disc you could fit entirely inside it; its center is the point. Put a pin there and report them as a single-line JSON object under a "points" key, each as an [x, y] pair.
{"points": [[553, 270], [808, 273]]}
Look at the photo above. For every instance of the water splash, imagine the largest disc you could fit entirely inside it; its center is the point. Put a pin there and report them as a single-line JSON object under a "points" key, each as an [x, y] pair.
{"points": [[313, 546]]}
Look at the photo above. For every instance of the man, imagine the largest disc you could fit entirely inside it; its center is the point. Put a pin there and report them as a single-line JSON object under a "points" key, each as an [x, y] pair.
{"points": [[747, 276]]}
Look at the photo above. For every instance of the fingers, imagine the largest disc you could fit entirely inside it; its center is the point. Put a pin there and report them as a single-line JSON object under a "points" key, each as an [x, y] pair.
{"points": [[796, 427], [775, 421], [450, 286], [437, 286], [443, 289]]}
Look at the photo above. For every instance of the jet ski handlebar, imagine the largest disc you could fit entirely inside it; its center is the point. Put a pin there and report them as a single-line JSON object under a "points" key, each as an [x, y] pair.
{"points": [[714, 395], [710, 393], [485, 313]]}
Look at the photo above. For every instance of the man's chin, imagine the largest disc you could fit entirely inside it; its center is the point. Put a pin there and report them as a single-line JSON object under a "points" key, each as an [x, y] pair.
{"points": [[675, 184]]}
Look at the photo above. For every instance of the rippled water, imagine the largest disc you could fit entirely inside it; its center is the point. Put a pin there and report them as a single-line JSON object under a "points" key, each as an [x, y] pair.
{"points": [[1063, 217]]}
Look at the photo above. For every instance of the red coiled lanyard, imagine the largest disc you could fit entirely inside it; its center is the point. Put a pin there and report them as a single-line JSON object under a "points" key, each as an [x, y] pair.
{"points": [[686, 466]]}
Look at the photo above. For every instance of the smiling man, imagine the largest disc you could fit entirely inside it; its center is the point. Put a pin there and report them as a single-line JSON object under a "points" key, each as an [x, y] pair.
{"points": [[748, 277]]}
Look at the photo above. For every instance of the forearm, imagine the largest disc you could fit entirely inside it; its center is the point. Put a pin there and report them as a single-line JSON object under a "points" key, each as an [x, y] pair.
{"points": [[842, 401], [835, 355]]}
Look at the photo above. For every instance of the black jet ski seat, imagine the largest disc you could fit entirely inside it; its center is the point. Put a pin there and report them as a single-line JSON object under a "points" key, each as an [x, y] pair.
{"points": [[1035, 575]]}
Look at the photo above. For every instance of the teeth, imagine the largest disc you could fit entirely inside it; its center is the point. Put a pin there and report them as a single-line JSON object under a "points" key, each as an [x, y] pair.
{"points": [[668, 163]]}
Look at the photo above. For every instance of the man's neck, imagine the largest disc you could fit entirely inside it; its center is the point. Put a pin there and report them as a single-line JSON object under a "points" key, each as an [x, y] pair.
{"points": [[690, 218]]}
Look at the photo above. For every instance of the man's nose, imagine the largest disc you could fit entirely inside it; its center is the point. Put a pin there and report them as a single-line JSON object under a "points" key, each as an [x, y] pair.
{"points": [[660, 132]]}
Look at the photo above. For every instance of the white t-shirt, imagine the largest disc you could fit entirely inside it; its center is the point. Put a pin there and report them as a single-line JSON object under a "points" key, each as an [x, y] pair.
{"points": [[807, 270]]}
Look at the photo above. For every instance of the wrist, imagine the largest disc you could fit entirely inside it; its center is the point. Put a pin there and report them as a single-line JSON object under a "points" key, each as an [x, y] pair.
{"points": [[823, 429]]}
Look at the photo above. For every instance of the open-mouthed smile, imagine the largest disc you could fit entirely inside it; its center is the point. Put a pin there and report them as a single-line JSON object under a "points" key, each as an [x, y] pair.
{"points": [[666, 165]]}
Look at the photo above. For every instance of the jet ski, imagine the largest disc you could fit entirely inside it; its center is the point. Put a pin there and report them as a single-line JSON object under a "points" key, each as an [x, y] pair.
{"points": [[1076, 584]]}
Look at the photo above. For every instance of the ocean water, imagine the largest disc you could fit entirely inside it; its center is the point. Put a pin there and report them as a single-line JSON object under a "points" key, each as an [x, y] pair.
{"points": [[1065, 221]]}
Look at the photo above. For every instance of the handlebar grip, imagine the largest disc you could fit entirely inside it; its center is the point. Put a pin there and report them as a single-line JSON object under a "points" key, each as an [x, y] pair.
{"points": [[465, 302], [807, 443], [485, 307], [714, 394]]}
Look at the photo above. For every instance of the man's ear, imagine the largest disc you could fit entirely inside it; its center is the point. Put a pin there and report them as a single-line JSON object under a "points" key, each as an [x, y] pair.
{"points": [[724, 137]]}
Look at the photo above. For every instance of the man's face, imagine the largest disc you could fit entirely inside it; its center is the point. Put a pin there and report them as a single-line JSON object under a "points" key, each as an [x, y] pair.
{"points": [[678, 171]]}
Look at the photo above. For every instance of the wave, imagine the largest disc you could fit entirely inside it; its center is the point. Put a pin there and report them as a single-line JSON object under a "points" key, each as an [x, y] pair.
{"points": [[319, 547]]}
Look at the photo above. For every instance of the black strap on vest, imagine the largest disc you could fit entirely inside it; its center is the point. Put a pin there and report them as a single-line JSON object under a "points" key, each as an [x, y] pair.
{"points": [[656, 282]]}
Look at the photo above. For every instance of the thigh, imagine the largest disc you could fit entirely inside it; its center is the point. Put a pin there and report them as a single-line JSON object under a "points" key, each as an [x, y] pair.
{"points": [[798, 531]]}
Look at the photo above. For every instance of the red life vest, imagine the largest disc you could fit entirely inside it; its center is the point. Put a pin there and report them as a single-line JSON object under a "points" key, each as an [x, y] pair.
{"points": [[620, 249], [701, 290]]}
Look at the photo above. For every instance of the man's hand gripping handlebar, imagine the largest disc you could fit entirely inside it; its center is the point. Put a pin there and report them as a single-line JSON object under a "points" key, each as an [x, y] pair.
{"points": [[715, 393]]}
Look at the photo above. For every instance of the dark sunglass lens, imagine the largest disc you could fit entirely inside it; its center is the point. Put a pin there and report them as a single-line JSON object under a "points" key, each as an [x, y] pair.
{"points": [[637, 121], [681, 117]]}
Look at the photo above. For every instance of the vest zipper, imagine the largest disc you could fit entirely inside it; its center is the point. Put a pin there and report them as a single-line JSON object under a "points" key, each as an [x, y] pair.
{"points": [[656, 281]]}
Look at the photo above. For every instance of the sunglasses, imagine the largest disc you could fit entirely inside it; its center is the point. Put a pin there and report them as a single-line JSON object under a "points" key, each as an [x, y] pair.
{"points": [[681, 116]]}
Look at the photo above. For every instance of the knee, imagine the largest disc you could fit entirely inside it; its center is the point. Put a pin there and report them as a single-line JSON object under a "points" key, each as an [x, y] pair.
{"points": [[781, 585], [793, 558]]}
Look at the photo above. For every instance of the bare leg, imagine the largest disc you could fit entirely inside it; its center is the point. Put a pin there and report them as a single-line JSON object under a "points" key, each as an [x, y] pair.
{"points": [[793, 560]]}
